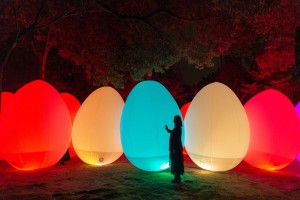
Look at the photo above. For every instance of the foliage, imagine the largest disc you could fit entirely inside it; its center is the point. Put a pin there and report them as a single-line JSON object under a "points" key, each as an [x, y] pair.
{"points": [[122, 42]]}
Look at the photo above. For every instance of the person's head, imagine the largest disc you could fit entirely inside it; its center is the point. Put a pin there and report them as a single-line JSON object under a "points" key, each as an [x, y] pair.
{"points": [[177, 120]]}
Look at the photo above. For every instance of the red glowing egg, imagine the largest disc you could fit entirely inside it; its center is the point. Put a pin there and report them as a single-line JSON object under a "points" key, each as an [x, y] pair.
{"points": [[73, 106], [274, 131], [183, 111], [35, 128], [5, 99]]}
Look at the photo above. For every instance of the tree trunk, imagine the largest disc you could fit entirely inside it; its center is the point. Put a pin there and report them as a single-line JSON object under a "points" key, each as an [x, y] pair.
{"points": [[43, 60], [3, 64]]}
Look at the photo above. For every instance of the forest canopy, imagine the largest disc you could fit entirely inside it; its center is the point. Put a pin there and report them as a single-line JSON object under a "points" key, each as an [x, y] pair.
{"points": [[80, 45]]}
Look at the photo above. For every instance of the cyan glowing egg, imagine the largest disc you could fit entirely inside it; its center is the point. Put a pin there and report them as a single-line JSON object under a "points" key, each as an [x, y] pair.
{"points": [[96, 127], [217, 128], [148, 108], [274, 130]]}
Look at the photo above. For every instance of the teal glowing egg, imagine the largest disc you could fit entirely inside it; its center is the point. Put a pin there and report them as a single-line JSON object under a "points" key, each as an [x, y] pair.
{"points": [[148, 108]]}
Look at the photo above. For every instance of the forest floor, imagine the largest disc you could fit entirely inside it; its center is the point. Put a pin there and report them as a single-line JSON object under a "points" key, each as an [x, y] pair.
{"points": [[121, 180]]}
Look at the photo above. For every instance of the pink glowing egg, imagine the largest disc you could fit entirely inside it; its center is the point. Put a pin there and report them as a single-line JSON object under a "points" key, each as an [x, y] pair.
{"points": [[35, 128], [5, 99], [73, 106], [274, 131], [298, 157]]}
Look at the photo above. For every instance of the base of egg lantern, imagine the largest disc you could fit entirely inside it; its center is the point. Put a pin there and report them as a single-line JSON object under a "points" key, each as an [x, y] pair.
{"points": [[154, 163], [215, 163], [30, 160], [98, 158], [267, 161]]}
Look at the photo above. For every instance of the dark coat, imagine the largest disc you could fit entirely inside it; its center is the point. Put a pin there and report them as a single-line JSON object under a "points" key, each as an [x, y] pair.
{"points": [[175, 139], [175, 148]]}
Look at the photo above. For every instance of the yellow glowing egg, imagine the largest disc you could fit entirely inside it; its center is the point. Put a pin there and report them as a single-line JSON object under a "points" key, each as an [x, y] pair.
{"points": [[217, 128], [96, 127]]}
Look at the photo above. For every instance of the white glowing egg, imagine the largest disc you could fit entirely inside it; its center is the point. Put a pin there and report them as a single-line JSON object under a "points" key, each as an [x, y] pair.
{"points": [[217, 128], [96, 127]]}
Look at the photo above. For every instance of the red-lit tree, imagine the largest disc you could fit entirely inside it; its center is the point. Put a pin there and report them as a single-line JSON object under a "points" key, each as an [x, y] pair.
{"points": [[115, 41], [20, 20], [275, 28]]}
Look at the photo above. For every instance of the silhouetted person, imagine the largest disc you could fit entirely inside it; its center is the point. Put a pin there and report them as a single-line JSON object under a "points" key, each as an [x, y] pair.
{"points": [[175, 148]]}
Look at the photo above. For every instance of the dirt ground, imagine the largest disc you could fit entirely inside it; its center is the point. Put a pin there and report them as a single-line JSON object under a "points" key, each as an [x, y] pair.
{"points": [[121, 180]]}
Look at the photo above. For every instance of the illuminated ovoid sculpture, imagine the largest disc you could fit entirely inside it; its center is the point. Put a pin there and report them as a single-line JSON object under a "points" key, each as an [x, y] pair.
{"points": [[5, 99], [275, 130], [73, 106], [35, 128], [298, 157], [217, 129], [148, 108], [298, 112], [96, 128], [183, 111]]}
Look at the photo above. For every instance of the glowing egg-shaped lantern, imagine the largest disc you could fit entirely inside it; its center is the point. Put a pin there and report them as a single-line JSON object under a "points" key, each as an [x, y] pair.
{"points": [[5, 99], [183, 111], [73, 106], [148, 108], [35, 128], [298, 157], [217, 128], [275, 130], [298, 112], [96, 128]]}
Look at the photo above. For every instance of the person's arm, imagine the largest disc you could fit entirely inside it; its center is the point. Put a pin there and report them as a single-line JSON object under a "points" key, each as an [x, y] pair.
{"points": [[169, 131]]}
